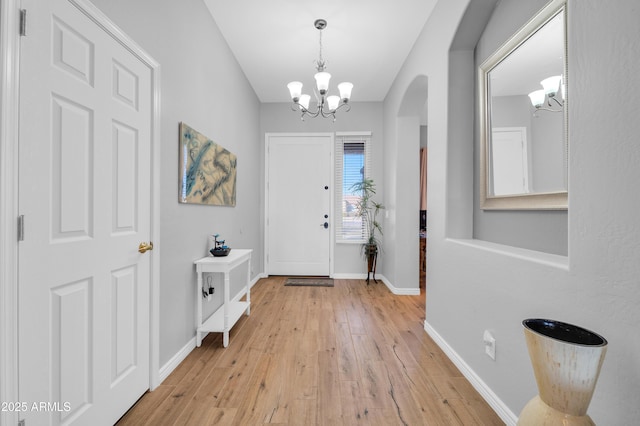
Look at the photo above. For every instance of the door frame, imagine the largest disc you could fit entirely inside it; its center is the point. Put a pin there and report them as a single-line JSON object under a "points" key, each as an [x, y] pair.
{"points": [[332, 244], [9, 202]]}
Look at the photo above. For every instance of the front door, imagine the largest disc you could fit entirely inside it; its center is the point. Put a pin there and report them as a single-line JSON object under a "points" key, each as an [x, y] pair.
{"points": [[84, 192], [299, 194]]}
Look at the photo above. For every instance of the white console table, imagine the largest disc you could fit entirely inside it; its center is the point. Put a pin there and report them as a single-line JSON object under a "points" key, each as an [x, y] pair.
{"points": [[230, 312]]}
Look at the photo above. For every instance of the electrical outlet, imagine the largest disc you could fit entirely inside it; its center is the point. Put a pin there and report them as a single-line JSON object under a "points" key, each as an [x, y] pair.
{"points": [[489, 344]]}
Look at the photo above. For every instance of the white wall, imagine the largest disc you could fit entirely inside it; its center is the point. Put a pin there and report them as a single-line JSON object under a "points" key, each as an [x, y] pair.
{"points": [[474, 285], [202, 85], [364, 116]]}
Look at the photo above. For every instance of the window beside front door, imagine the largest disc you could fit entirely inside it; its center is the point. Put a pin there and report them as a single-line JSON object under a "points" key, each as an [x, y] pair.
{"points": [[353, 164]]}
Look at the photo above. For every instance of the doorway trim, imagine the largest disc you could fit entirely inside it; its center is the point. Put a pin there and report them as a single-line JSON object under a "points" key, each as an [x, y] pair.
{"points": [[265, 250], [9, 107], [9, 138]]}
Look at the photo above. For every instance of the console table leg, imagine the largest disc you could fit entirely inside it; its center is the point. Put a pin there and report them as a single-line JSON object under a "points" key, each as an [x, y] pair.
{"points": [[227, 326], [198, 309], [248, 311]]}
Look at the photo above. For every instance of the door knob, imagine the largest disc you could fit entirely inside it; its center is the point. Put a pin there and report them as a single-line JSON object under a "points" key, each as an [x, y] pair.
{"points": [[325, 225], [143, 247]]}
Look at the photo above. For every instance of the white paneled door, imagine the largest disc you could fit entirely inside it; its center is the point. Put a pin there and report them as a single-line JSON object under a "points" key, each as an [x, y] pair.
{"points": [[84, 191], [299, 192], [509, 161]]}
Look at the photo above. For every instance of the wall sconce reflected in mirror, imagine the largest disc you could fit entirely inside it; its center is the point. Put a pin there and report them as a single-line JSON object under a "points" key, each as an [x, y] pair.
{"points": [[549, 92]]}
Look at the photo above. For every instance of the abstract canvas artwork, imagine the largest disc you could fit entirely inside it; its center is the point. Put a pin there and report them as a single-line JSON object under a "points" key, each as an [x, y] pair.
{"points": [[207, 170]]}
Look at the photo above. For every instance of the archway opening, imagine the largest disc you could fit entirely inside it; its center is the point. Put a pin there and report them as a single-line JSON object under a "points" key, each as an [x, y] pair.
{"points": [[411, 181]]}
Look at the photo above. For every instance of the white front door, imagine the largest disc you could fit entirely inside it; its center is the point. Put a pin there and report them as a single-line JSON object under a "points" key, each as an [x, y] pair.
{"points": [[84, 191], [299, 213]]}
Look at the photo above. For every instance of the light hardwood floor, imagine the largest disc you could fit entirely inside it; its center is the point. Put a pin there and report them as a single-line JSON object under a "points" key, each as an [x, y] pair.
{"points": [[345, 355]]}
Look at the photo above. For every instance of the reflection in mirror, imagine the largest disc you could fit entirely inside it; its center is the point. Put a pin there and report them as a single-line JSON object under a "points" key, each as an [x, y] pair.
{"points": [[523, 106]]}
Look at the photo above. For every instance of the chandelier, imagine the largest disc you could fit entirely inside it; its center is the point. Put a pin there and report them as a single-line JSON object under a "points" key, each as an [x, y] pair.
{"points": [[326, 105], [541, 99]]}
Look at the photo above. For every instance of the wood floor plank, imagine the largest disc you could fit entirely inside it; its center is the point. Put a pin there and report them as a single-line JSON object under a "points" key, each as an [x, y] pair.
{"points": [[306, 380], [347, 361], [304, 412], [354, 409], [187, 388], [352, 354], [237, 382], [329, 402], [146, 406], [209, 392], [259, 401], [286, 376]]}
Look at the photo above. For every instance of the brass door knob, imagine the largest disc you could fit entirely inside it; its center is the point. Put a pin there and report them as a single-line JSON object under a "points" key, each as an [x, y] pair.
{"points": [[143, 247]]}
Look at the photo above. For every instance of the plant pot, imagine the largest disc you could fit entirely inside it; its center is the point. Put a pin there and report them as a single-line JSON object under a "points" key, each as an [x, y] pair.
{"points": [[566, 361], [371, 251]]}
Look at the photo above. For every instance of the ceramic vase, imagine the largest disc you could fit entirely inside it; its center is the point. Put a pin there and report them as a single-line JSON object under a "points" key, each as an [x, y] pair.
{"points": [[566, 361]]}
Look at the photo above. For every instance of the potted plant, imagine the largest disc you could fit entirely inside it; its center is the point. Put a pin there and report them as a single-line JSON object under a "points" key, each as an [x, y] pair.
{"points": [[368, 209]]}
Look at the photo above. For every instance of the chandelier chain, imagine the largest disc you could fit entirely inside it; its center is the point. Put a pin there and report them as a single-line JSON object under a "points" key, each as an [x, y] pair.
{"points": [[320, 65]]}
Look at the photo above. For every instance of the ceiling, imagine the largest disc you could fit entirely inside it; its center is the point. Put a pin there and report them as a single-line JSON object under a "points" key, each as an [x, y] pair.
{"points": [[365, 42], [540, 56]]}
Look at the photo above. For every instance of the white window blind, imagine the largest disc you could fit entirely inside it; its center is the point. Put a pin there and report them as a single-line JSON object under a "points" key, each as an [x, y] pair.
{"points": [[353, 164]]}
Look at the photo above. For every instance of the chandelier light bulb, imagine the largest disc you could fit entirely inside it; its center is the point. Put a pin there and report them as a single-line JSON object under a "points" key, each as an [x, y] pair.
{"points": [[333, 102], [304, 101], [322, 81], [345, 90], [295, 89], [537, 98], [551, 85]]}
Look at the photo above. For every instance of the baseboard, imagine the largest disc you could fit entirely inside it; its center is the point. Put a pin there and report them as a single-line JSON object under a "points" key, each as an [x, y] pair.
{"points": [[391, 287], [485, 391], [397, 290], [257, 278], [356, 276], [173, 363]]}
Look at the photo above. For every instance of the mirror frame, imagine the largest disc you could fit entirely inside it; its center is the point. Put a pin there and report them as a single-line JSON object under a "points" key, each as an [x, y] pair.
{"points": [[533, 201]]}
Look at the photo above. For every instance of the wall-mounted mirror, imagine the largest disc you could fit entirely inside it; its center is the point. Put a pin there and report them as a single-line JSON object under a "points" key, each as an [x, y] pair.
{"points": [[523, 110]]}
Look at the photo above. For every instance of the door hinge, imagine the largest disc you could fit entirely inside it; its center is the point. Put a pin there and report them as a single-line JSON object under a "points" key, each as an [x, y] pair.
{"points": [[21, 227], [23, 22]]}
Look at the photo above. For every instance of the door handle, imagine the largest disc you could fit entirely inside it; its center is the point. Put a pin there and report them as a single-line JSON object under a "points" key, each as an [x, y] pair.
{"points": [[325, 225], [144, 247]]}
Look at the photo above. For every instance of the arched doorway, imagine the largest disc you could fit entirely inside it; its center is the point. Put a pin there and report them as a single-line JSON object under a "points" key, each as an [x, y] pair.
{"points": [[411, 128]]}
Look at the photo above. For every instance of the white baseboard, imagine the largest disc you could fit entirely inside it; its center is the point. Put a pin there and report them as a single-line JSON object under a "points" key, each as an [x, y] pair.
{"points": [[259, 277], [397, 290], [485, 391], [356, 276], [173, 363]]}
